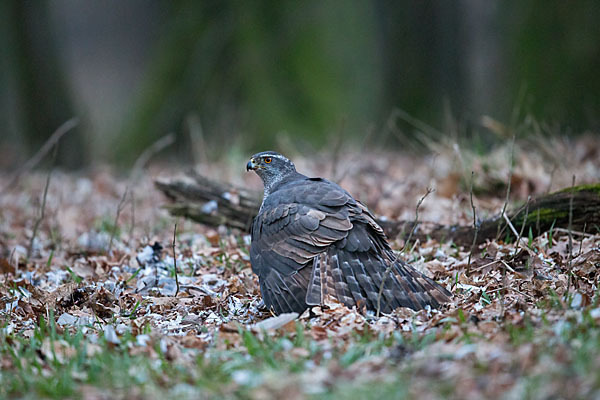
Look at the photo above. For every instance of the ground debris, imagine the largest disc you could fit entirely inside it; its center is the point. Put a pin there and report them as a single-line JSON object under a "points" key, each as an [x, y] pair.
{"points": [[515, 311]]}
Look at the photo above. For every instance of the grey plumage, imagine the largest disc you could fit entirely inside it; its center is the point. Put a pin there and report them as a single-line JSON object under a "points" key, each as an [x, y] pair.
{"points": [[312, 240]]}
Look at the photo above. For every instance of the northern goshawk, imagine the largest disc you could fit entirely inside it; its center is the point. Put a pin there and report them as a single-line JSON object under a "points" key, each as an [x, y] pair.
{"points": [[311, 241]]}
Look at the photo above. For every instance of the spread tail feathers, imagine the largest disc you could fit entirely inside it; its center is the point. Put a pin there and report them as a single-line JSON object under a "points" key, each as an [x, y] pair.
{"points": [[355, 279]]}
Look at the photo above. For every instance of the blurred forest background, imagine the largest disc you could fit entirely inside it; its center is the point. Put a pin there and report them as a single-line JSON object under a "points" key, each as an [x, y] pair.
{"points": [[251, 75]]}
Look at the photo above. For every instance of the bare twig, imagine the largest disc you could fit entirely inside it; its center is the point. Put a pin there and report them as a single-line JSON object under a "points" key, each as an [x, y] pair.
{"points": [[428, 131], [501, 289], [505, 265], [414, 246], [40, 218], [581, 242], [510, 174], [37, 157], [570, 261], [577, 233], [14, 259], [475, 226], [150, 151], [116, 223], [198, 289], [522, 227], [510, 225], [175, 259], [389, 268], [485, 265], [416, 221], [508, 267]]}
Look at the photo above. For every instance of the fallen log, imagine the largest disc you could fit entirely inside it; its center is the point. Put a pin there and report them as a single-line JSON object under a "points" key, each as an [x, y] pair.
{"points": [[210, 202], [216, 203]]}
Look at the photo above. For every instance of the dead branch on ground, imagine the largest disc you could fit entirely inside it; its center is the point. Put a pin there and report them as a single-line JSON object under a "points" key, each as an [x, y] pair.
{"points": [[215, 203]]}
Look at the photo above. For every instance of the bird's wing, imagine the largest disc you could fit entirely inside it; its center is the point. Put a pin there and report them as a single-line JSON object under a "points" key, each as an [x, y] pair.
{"points": [[288, 235], [355, 276], [357, 268], [285, 293], [290, 232]]}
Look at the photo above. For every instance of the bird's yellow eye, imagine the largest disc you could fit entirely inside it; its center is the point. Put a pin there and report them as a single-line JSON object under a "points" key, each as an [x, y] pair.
{"points": [[268, 160]]}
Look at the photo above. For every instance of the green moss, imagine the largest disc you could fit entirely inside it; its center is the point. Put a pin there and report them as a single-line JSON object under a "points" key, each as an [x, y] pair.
{"points": [[545, 215], [592, 187]]}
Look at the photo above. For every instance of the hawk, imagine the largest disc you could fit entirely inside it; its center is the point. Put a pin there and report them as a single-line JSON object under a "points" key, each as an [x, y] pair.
{"points": [[312, 241]]}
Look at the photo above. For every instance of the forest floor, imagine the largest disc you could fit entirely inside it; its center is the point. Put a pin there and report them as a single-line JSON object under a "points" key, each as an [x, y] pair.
{"points": [[91, 306]]}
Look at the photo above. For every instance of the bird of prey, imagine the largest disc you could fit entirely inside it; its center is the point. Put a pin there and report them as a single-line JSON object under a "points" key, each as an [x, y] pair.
{"points": [[312, 241]]}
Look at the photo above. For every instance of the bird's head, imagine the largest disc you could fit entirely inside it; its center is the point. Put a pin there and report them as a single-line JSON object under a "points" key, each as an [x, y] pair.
{"points": [[270, 166]]}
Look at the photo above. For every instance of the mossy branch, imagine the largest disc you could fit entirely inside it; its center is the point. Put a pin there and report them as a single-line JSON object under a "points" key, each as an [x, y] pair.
{"points": [[235, 207]]}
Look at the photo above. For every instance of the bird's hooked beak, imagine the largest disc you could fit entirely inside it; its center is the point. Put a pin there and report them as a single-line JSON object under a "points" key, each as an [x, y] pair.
{"points": [[251, 165]]}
